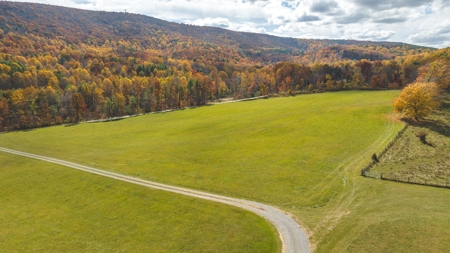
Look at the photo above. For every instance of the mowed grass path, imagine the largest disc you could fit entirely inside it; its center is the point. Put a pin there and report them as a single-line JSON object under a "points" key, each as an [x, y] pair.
{"points": [[49, 208], [270, 150], [303, 154]]}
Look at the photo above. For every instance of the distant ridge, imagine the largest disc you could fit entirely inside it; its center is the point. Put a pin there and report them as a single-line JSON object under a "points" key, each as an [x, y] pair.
{"points": [[76, 26]]}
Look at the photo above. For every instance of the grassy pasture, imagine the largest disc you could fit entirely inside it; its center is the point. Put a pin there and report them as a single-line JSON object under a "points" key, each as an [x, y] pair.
{"points": [[48, 208], [372, 215], [271, 150], [303, 154]]}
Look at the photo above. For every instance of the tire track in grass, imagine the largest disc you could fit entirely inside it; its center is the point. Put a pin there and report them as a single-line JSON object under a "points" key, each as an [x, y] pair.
{"points": [[339, 174], [293, 239], [346, 199]]}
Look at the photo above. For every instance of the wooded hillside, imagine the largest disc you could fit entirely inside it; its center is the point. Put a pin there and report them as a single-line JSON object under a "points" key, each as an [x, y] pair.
{"points": [[81, 26], [60, 65]]}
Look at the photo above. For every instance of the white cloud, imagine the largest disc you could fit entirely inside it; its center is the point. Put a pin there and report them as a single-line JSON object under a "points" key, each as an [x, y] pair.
{"points": [[369, 35], [216, 22], [312, 36], [293, 29], [437, 35], [251, 29]]}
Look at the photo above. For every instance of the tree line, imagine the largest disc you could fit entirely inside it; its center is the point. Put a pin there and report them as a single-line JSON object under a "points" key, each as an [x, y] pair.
{"points": [[46, 81]]}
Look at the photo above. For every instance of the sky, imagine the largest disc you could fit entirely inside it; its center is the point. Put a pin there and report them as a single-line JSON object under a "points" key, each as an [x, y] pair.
{"points": [[419, 22]]}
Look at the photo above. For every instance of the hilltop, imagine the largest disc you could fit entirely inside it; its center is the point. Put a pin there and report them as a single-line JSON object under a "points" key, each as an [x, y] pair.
{"points": [[96, 27]]}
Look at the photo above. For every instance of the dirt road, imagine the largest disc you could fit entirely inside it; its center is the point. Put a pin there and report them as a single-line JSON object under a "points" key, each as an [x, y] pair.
{"points": [[294, 240]]}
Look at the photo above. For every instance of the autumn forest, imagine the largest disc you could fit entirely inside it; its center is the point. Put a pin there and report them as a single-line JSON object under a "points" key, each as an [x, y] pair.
{"points": [[76, 65]]}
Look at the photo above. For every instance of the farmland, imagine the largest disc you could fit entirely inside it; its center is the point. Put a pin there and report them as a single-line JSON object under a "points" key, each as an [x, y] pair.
{"points": [[49, 208], [268, 150], [302, 154]]}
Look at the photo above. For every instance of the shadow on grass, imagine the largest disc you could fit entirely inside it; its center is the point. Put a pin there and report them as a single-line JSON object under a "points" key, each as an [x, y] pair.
{"points": [[33, 128], [437, 126], [198, 106], [28, 130], [71, 124]]}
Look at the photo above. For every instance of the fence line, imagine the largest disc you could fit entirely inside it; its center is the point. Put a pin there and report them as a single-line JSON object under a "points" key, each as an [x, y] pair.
{"points": [[405, 179], [413, 180], [366, 170]]}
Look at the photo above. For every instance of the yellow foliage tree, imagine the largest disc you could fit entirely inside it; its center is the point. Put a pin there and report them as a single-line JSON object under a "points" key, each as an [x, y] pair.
{"points": [[44, 77], [418, 100], [4, 68], [438, 72]]}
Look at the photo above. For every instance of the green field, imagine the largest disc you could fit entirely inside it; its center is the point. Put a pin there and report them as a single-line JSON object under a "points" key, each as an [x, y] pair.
{"points": [[49, 208], [303, 154], [268, 150]]}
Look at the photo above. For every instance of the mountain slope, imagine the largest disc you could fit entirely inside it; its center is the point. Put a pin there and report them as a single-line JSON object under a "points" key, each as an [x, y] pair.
{"points": [[96, 27]]}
